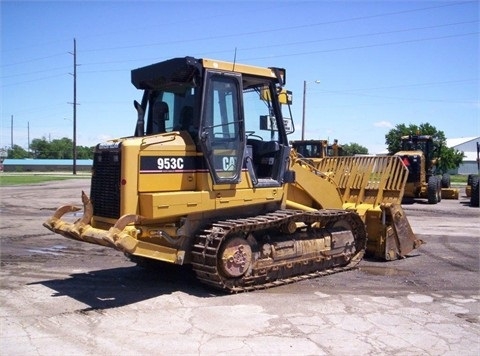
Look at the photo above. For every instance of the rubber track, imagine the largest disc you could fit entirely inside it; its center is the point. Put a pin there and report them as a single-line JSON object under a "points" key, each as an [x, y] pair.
{"points": [[209, 241]]}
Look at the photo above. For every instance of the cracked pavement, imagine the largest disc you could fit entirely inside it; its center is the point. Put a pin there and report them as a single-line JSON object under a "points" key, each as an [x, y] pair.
{"points": [[61, 297]]}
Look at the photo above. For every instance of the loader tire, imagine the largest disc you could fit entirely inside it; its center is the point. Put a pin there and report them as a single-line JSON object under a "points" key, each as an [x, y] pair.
{"points": [[439, 189], [469, 179], [432, 190], [446, 180], [474, 200]]}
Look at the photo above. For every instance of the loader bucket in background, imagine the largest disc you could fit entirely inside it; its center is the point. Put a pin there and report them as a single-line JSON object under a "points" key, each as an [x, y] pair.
{"points": [[373, 186], [450, 193]]}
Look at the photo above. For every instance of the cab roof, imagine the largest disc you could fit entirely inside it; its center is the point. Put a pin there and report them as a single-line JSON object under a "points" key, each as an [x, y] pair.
{"points": [[186, 69]]}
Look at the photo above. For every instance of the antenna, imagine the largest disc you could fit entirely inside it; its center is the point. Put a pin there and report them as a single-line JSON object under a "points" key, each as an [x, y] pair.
{"points": [[234, 59]]}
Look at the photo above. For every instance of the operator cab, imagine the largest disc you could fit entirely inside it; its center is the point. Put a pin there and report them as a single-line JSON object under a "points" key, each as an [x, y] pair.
{"points": [[233, 115], [423, 143]]}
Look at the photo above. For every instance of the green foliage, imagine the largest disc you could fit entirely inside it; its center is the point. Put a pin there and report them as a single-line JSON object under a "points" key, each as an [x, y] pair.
{"points": [[58, 149], [447, 158], [351, 149], [41, 148], [84, 152], [393, 137], [17, 152]]}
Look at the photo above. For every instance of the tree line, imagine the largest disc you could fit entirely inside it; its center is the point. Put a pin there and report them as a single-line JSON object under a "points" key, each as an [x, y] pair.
{"points": [[448, 157], [41, 148]]}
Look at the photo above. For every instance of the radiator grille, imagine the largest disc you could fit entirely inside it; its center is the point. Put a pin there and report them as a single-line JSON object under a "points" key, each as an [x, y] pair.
{"points": [[105, 189]]}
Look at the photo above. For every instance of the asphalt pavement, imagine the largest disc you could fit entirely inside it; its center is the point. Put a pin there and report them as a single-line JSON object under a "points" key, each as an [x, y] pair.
{"points": [[63, 297]]}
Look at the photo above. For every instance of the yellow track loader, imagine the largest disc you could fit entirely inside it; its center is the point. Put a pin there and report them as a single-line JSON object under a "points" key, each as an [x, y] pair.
{"points": [[209, 180]]}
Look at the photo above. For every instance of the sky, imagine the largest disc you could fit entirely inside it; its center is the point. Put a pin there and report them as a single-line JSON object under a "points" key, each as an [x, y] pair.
{"points": [[368, 66]]}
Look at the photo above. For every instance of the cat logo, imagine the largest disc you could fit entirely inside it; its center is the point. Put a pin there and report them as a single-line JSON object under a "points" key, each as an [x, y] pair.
{"points": [[229, 163]]}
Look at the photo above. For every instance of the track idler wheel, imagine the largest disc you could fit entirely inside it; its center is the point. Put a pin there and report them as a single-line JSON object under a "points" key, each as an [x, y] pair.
{"points": [[235, 257]]}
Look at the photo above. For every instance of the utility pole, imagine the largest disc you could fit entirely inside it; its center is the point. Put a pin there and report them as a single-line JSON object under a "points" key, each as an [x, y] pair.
{"points": [[304, 105], [74, 106], [11, 133]]}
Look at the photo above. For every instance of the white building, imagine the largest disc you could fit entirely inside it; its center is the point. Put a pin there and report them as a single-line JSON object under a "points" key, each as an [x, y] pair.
{"points": [[468, 145]]}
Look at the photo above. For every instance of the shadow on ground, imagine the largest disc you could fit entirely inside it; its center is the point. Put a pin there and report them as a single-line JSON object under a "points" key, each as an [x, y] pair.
{"points": [[116, 287]]}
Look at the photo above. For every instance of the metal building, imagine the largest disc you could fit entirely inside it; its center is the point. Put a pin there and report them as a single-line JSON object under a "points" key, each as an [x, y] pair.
{"points": [[468, 145]]}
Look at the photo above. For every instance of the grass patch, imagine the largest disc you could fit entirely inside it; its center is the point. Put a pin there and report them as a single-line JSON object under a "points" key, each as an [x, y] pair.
{"points": [[458, 178], [24, 179]]}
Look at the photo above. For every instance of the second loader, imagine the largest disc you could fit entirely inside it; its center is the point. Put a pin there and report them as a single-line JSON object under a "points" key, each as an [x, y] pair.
{"points": [[418, 155], [317, 148], [208, 179]]}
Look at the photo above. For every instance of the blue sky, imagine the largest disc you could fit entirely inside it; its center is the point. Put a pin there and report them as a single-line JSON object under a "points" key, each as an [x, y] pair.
{"points": [[379, 63]]}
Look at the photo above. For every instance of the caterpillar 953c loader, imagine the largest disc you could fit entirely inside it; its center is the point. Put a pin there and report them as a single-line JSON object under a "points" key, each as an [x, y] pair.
{"points": [[208, 179]]}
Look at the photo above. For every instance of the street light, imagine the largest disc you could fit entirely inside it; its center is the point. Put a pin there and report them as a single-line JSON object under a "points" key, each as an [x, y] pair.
{"points": [[304, 100]]}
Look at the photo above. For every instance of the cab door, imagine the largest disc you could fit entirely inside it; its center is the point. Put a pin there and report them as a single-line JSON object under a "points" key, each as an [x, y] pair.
{"points": [[222, 129]]}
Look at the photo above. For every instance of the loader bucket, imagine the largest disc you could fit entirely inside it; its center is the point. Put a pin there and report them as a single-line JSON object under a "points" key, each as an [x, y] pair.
{"points": [[390, 234], [116, 237], [450, 193], [373, 186]]}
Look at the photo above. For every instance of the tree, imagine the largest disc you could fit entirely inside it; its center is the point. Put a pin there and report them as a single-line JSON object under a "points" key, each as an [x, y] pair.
{"points": [[59, 149], [17, 152], [40, 148], [351, 149], [447, 157], [84, 152], [393, 137]]}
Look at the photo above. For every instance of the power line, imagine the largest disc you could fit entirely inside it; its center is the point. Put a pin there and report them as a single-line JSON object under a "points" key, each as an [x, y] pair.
{"points": [[445, 101], [449, 82], [364, 46], [288, 28], [33, 60], [283, 45], [33, 80], [279, 29], [256, 33], [30, 73], [248, 48], [270, 56], [363, 35]]}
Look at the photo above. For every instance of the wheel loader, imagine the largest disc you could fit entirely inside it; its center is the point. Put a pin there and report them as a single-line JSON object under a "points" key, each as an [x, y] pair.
{"points": [[317, 148], [417, 154], [208, 179]]}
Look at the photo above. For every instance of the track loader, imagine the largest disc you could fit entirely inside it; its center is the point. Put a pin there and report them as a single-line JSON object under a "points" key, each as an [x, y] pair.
{"points": [[209, 180]]}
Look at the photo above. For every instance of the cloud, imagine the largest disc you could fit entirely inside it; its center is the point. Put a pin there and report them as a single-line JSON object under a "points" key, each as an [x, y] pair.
{"points": [[383, 123]]}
